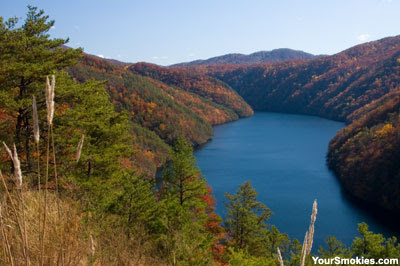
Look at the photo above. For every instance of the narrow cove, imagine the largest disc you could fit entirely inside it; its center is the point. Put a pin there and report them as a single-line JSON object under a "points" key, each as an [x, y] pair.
{"points": [[284, 157]]}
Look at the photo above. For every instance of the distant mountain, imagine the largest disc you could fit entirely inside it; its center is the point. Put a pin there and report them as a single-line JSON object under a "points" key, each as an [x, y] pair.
{"points": [[110, 60], [274, 56]]}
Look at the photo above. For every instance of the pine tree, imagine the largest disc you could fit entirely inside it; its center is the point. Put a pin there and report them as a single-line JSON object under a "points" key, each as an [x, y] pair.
{"points": [[132, 203], [334, 248], [27, 55], [371, 245], [246, 218], [188, 235], [85, 108], [182, 178]]}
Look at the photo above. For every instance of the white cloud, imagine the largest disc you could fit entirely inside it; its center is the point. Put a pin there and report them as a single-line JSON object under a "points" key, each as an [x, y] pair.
{"points": [[191, 54], [100, 55], [160, 57], [53, 27], [363, 37]]}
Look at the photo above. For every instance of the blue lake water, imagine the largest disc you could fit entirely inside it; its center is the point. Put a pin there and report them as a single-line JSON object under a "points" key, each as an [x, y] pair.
{"points": [[284, 157]]}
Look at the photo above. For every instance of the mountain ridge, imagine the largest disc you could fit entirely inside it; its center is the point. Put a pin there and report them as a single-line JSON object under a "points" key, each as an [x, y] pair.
{"points": [[273, 56]]}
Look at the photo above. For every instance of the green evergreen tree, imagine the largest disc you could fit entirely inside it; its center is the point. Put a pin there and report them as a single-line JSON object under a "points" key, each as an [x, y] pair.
{"points": [[185, 239], [294, 253], [246, 218], [183, 179], [242, 257], [27, 55], [132, 204], [371, 245], [85, 108], [273, 240], [335, 248]]}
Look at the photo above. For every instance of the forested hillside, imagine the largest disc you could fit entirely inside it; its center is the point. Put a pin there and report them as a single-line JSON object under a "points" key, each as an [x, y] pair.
{"points": [[359, 86], [162, 110], [365, 155], [331, 86], [197, 83]]}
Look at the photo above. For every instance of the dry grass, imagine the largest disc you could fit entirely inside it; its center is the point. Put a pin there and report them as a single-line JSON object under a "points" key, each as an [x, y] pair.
{"points": [[75, 246], [114, 247], [110, 246]]}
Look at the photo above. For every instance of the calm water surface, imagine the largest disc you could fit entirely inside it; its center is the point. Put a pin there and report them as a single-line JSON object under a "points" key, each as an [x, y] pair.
{"points": [[283, 156]]}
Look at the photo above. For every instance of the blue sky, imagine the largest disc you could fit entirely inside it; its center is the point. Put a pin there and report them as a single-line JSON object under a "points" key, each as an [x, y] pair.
{"points": [[171, 31]]}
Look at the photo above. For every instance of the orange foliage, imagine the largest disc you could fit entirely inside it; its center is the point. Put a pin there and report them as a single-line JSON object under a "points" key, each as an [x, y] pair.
{"points": [[385, 130]]}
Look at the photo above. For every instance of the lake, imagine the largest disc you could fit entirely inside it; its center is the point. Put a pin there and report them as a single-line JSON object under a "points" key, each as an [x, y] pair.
{"points": [[284, 157]]}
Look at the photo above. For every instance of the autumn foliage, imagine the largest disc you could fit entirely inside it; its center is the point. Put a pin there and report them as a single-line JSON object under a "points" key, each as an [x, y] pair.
{"points": [[365, 154], [359, 86], [161, 110]]}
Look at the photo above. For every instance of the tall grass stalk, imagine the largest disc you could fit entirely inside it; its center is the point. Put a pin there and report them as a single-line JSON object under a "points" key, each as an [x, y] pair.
{"points": [[79, 149], [50, 98], [35, 118], [57, 194], [16, 164], [303, 250], [279, 257], [6, 244], [46, 187], [50, 113], [92, 247], [308, 239], [17, 220], [18, 180], [311, 228], [36, 136]]}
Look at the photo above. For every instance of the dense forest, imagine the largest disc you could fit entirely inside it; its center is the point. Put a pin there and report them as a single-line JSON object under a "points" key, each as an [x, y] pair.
{"points": [[163, 105], [366, 153], [330, 86], [359, 86], [83, 138]]}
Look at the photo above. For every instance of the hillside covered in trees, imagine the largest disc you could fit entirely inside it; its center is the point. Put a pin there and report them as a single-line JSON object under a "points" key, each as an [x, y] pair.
{"points": [[163, 105], [366, 153], [331, 86], [359, 86]]}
